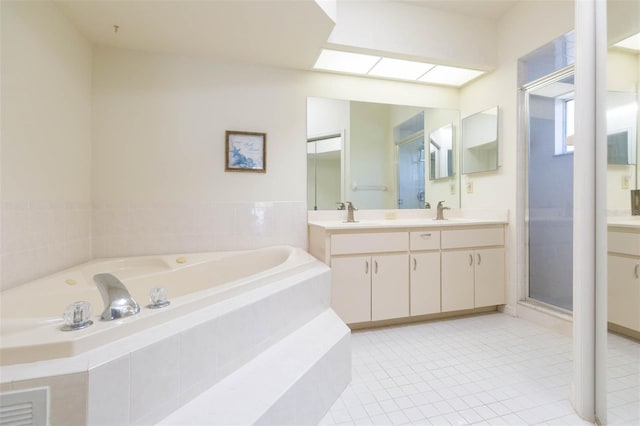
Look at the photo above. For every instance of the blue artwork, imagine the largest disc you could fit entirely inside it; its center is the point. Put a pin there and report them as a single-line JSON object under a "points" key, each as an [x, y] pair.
{"points": [[246, 151]]}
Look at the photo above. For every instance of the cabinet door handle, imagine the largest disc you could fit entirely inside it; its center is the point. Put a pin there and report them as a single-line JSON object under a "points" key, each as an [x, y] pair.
{"points": [[366, 267], [470, 259], [375, 263], [415, 263], [425, 236], [479, 259], [636, 271]]}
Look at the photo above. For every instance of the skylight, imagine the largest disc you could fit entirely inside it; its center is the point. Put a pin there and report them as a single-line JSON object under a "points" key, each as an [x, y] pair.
{"points": [[398, 69]]}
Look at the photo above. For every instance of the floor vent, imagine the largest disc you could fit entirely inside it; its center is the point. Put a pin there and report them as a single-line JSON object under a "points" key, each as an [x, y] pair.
{"points": [[22, 408]]}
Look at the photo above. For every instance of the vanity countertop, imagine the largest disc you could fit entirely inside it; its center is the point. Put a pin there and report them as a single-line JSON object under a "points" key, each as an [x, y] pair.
{"points": [[335, 225], [624, 221]]}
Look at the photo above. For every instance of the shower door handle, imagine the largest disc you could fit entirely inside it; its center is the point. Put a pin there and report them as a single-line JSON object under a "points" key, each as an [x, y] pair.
{"points": [[636, 271]]}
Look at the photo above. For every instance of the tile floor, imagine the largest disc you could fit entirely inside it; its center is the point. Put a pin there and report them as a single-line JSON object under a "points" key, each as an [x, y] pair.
{"points": [[486, 369]]}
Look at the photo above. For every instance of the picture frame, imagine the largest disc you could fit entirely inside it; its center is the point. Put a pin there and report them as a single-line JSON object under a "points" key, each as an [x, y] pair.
{"points": [[245, 152]]}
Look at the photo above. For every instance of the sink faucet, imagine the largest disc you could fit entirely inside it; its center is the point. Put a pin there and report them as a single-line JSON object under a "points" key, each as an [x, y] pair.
{"points": [[118, 303], [350, 210], [441, 208]]}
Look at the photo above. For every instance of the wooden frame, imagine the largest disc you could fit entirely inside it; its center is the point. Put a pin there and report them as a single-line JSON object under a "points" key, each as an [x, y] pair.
{"points": [[245, 152]]}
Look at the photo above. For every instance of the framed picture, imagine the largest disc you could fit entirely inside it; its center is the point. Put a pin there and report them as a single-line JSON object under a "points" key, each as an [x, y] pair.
{"points": [[245, 152]]}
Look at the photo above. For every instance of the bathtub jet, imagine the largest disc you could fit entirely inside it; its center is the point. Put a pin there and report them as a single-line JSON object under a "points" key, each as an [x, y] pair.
{"points": [[118, 303]]}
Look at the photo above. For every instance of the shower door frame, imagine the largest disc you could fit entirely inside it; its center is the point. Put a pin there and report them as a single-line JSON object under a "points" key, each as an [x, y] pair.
{"points": [[522, 210]]}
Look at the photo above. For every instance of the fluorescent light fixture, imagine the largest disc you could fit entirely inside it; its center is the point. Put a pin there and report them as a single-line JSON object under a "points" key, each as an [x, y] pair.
{"points": [[400, 69], [450, 76], [632, 42], [353, 63]]}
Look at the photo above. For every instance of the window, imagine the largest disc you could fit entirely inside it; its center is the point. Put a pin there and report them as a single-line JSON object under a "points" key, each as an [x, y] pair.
{"points": [[565, 113]]}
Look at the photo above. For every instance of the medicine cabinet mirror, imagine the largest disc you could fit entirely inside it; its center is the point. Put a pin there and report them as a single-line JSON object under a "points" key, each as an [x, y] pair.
{"points": [[480, 141]]}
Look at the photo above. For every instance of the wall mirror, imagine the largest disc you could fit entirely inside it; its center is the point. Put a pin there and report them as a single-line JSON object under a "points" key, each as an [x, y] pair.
{"points": [[480, 141], [441, 152], [375, 155]]}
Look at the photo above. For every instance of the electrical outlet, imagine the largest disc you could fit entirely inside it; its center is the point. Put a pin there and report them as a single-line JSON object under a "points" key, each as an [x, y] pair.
{"points": [[625, 182], [469, 187]]}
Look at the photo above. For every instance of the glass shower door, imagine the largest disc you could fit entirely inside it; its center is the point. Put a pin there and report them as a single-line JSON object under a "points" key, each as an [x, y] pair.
{"points": [[550, 192]]}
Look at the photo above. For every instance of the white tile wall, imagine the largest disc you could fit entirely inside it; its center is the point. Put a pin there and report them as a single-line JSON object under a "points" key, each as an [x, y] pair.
{"points": [[39, 238], [109, 393], [137, 229]]}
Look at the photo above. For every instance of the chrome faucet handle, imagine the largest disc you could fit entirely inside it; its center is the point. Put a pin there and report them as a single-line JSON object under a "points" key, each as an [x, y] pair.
{"points": [[427, 205], [341, 205], [350, 205]]}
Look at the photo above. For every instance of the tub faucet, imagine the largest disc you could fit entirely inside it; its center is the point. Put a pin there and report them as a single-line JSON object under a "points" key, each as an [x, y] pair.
{"points": [[441, 208], [350, 210], [118, 303]]}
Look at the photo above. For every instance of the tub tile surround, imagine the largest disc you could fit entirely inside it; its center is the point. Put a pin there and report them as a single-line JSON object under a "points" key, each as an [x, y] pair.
{"points": [[155, 228], [41, 237], [146, 376]]}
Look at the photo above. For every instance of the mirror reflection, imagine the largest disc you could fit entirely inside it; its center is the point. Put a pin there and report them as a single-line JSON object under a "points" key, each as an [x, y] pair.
{"points": [[441, 152], [480, 141], [375, 155]]}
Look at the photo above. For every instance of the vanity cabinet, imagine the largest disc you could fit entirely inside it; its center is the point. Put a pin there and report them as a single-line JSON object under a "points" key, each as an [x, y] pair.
{"points": [[374, 286], [386, 273], [623, 282], [424, 272], [472, 276]]}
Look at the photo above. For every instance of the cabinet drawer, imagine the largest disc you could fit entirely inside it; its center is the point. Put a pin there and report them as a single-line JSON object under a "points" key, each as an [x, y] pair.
{"points": [[482, 237], [424, 240], [624, 243], [369, 242]]}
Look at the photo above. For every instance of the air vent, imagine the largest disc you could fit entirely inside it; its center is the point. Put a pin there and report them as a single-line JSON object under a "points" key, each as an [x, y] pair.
{"points": [[22, 408]]}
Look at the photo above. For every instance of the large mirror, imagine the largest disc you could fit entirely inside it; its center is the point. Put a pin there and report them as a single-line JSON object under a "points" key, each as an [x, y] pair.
{"points": [[480, 141], [378, 156]]}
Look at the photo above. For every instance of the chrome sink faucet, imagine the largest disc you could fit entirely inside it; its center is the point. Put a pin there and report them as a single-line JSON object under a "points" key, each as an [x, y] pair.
{"points": [[350, 210], [118, 303], [441, 208]]}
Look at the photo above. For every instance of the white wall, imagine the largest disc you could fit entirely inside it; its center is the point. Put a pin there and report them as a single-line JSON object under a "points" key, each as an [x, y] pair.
{"points": [[158, 142], [46, 142], [519, 32]]}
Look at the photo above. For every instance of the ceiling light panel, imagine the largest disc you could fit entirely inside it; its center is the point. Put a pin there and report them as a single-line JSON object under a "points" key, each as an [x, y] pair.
{"points": [[632, 42], [450, 76], [353, 63], [400, 69]]}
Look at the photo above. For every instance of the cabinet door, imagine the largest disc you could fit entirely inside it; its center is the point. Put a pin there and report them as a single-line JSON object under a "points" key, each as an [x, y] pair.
{"points": [[351, 288], [489, 277], [390, 286], [425, 283], [624, 291], [457, 280]]}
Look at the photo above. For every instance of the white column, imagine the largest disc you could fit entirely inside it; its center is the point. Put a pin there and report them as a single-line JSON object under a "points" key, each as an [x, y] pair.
{"points": [[589, 222]]}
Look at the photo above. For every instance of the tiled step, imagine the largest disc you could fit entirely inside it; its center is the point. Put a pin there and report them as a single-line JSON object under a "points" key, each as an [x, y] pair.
{"points": [[293, 382]]}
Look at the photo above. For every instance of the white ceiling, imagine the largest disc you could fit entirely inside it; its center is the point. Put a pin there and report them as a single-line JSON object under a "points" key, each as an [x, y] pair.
{"points": [[283, 33], [272, 32]]}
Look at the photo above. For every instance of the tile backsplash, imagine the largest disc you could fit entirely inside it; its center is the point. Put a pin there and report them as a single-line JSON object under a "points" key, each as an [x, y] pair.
{"points": [[39, 238]]}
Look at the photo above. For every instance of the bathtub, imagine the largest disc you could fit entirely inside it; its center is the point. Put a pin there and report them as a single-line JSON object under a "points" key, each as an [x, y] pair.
{"points": [[31, 314]]}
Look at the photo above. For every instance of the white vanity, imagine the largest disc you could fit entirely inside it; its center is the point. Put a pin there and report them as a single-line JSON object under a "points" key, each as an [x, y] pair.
{"points": [[623, 281], [401, 269]]}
